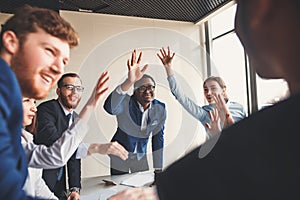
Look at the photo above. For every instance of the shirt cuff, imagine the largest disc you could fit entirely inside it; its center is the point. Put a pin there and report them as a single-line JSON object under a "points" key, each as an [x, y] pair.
{"points": [[120, 91], [82, 151]]}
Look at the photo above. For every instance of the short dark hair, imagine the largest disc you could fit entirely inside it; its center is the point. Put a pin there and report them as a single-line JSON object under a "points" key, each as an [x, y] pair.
{"points": [[29, 19], [60, 82], [143, 77]]}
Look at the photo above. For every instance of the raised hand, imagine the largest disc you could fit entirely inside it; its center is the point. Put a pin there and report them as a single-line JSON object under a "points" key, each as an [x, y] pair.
{"points": [[225, 116], [112, 148], [95, 97], [134, 70], [214, 126], [166, 59], [99, 90], [214, 132]]}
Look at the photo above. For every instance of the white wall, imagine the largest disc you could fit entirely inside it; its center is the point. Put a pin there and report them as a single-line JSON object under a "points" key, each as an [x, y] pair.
{"points": [[106, 42], [4, 17]]}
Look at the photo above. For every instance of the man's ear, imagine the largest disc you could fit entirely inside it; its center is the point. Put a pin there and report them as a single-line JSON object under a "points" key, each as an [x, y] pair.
{"points": [[57, 91], [10, 42]]}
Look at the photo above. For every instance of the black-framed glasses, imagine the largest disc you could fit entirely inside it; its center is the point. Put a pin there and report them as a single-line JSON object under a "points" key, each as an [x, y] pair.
{"points": [[144, 88], [73, 87]]}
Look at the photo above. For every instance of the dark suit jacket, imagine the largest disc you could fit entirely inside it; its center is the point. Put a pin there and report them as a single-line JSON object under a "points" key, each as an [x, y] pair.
{"points": [[52, 122], [129, 118], [13, 167], [257, 158]]}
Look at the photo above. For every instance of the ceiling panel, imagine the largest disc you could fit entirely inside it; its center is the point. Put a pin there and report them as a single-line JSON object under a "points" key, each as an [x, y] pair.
{"points": [[179, 10]]}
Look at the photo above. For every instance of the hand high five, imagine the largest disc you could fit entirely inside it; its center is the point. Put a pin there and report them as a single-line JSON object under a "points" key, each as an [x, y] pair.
{"points": [[134, 71], [224, 113], [214, 126], [95, 97], [99, 89], [166, 59]]}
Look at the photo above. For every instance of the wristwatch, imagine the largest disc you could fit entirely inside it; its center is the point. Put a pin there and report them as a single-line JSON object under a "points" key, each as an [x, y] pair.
{"points": [[74, 189]]}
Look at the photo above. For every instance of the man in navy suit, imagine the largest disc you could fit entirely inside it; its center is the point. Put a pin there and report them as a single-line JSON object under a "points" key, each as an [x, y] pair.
{"points": [[138, 116], [53, 120], [35, 47]]}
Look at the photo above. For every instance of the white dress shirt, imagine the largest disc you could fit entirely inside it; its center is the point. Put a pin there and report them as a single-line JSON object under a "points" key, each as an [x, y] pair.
{"points": [[42, 157], [144, 114], [35, 185], [58, 154]]}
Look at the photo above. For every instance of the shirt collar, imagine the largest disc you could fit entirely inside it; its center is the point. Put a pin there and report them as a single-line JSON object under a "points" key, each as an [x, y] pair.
{"points": [[141, 107], [64, 109]]}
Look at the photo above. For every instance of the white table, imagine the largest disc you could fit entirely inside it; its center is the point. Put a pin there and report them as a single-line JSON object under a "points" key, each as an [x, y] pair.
{"points": [[94, 188]]}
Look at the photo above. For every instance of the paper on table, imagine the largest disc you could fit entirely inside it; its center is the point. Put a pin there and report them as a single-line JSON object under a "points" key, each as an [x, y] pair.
{"points": [[139, 179]]}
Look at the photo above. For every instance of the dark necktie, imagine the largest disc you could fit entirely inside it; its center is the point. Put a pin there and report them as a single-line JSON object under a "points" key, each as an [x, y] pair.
{"points": [[60, 173], [69, 118]]}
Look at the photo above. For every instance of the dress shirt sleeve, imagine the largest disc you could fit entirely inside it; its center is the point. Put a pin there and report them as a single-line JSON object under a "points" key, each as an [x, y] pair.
{"points": [[120, 91], [42, 190], [237, 111], [113, 103], [57, 155], [189, 105], [82, 150]]}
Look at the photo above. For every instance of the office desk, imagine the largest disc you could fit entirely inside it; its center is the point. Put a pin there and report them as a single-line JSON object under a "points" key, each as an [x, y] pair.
{"points": [[94, 188]]}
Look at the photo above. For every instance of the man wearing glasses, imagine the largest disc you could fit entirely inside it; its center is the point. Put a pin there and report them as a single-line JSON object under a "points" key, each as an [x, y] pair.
{"points": [[139, 116], [53, 118]]}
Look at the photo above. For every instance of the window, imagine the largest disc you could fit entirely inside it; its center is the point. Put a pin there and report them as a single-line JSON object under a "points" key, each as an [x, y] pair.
{"points": [[229, 62], [270, 91], [223, 22], [227, 55]]}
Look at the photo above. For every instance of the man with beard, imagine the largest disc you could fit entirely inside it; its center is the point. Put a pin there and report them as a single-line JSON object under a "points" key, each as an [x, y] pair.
{"points": [[34, 49], [139, 116], [53, 118]]}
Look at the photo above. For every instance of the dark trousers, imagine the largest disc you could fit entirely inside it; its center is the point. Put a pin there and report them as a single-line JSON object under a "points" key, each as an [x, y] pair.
{"points": [[131, 165]]}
